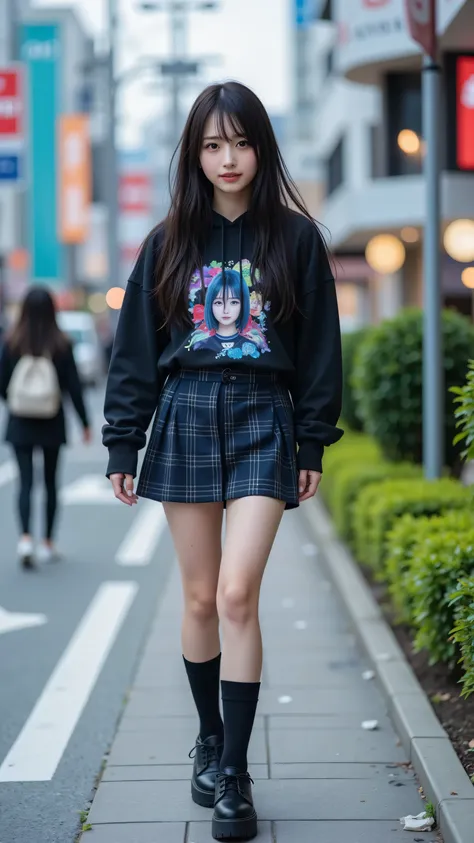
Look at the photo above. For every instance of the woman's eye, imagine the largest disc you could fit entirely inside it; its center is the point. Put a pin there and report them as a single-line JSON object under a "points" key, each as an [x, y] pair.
{"points": [[211, 146], [243, 144]]}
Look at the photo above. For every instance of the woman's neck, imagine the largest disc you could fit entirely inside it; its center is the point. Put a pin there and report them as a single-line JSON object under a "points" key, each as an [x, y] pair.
{"points": [[231, 206]]}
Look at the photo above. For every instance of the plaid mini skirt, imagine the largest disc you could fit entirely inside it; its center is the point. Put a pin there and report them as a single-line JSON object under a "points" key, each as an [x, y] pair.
{"points": [[220, 435]]}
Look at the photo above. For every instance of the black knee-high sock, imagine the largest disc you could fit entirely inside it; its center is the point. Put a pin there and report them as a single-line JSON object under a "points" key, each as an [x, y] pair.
{"points": [[204, 681], [239, 703]]}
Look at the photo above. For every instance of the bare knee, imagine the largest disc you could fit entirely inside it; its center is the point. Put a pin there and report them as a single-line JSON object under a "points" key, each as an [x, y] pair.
{"points": [[201, 606], [236, 604]]}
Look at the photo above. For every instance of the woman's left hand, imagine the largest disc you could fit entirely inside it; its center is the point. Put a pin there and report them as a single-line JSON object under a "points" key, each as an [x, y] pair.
{"points": [[308, 483]]}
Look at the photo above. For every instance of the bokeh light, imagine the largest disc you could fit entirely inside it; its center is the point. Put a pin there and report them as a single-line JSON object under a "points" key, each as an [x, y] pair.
{"points": [[385, 253], [114, 297]]}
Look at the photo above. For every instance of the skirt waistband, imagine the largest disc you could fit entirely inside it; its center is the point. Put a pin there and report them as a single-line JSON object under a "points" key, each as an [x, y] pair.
{"points": [[228, 376]]}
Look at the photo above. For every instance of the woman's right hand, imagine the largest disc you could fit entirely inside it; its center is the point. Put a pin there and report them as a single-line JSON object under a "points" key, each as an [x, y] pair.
{"points": [[122, 485]]}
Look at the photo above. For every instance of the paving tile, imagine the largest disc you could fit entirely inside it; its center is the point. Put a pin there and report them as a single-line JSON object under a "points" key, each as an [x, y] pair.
{"points": [[321, 721], [153, 724], [201, 833], [388, 772], [316, 701], [297, 799], [311, 672], [163, 772], [346, 832], [137, 833], [350, 746], [170, 746]]}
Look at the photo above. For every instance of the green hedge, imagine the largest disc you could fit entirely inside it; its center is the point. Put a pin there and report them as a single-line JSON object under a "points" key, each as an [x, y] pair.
{"points": [[350, 343], [463, 632], [387, 382], [436, 568], [352, 478], [402, 543], [379, 505], [352, 447]]}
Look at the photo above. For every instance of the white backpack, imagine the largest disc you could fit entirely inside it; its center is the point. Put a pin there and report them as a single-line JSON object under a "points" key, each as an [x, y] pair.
{"points": [[34, 391]]}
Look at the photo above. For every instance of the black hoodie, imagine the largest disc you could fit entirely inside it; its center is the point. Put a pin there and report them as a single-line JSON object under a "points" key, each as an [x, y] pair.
{"points": [[305, 350]]}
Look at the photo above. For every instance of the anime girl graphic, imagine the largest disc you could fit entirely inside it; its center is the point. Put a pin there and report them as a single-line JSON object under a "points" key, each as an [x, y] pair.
{"points": [[232, 320]]}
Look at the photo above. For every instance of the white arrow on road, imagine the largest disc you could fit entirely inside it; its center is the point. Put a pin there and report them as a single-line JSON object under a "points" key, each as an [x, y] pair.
{"points": [[11, 621]]}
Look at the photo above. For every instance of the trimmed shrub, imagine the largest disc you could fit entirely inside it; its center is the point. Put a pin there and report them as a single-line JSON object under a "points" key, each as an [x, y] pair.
{"points": [[437, 565], [402, 544], [379, 505], [349, 481], [350, 343], [464, 413], [352, 447], [462, 601], [387, 382]]}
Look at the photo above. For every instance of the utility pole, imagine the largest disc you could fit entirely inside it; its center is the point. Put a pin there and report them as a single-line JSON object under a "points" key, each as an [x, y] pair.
{"points": [[111, 162]]}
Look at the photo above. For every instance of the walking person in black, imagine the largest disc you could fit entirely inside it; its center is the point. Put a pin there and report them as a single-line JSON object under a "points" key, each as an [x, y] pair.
{"points": [[36, 368], [229, 330]]}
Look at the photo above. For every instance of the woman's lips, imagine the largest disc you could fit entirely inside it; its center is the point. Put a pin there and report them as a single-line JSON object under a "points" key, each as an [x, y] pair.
{"points": [[231, 176]]}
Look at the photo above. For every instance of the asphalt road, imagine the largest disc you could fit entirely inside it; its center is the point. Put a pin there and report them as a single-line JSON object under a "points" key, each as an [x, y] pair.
{"points": [[70, 636]]}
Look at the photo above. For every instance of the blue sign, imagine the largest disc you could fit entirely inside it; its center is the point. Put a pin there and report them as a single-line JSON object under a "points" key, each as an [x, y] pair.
{"points": [[9, 167], [40, 51], [305, 12]]}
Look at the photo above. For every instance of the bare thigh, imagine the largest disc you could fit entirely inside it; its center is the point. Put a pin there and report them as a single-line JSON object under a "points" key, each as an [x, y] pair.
{"points": [[252, 524], [196, 529]]}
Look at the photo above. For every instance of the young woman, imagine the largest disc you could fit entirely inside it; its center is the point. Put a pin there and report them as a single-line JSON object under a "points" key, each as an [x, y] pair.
{"points": [[229, 330], [37, 335]]}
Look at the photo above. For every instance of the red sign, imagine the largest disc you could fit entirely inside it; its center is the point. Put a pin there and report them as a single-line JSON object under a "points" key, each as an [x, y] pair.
{"points": [[465, 112], [421, 16], [134, 193], [11, 103]]}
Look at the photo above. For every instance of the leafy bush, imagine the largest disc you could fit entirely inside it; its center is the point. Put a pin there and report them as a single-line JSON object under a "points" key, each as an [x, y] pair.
{"points": [[349, 481], [437, 565], [352, 447], [402, 544], [387, 381], [350, 344], [379, 505], [462, 601], [464, 413]]}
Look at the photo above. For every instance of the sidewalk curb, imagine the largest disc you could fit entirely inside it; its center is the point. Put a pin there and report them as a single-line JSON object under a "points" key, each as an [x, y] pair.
{"points": [[429, 748]]}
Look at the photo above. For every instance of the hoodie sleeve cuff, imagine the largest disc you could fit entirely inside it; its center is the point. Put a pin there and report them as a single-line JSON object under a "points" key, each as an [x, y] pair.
{"points": [[310, 456], [122, 460]]}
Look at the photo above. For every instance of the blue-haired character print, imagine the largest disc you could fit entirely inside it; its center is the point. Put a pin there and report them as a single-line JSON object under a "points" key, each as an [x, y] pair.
{"points": [[227, 325]]}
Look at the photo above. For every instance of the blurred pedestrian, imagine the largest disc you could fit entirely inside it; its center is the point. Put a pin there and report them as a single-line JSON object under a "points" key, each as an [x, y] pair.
{"points": [[36, 368], [230, 310]]}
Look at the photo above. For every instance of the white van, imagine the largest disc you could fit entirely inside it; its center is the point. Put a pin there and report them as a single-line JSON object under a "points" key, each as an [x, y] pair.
{"points": [[88, 354]]}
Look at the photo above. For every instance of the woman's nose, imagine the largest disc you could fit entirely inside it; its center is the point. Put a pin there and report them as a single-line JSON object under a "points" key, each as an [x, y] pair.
{"points": [[228, 156]]}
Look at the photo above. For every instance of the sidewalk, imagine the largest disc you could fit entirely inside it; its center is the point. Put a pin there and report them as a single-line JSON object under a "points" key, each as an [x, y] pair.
{"points": [[319, 777]]}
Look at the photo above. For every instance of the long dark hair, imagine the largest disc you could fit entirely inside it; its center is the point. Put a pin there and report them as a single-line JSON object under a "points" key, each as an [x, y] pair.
{"points": [[189, 220], [37, 331]]}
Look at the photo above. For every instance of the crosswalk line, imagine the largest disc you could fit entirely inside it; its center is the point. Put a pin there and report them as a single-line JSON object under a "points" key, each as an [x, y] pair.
{"points": [[36, 753], [140, 542]]}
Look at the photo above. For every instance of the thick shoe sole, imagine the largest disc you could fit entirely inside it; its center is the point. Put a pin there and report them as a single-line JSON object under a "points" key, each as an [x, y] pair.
{"points": [[244, 829], [204, 798], [27, 563]]}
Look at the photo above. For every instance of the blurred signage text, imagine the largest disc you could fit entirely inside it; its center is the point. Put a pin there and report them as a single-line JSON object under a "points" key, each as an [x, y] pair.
{"points": [[12, 124], [465, 112], [74, 177]]}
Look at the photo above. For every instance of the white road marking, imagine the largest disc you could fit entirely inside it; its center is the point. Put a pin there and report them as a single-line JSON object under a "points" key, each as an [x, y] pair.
{"points": [[11, 621], [88, 490], [8, 472], [140, 542], [40, 745]]}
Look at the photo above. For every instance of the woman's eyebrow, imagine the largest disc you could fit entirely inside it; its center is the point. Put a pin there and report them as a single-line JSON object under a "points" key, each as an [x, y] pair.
{"points": [[219, 137]]}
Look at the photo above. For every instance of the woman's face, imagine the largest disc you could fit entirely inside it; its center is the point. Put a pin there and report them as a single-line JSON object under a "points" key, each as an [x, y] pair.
{"points": [[226, 311], [230, 165]]}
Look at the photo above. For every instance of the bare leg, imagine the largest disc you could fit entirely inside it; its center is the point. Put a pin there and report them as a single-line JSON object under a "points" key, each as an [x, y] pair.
{"points": [[196, 530], [252, 524]]}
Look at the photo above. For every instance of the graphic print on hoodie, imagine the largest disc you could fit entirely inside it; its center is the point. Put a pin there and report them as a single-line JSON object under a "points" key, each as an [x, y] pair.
{"points": [[228, 312]]}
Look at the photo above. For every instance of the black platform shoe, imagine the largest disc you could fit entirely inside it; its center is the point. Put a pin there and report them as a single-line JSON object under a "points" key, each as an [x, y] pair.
{"points": [[207, 755], [234, 814]]}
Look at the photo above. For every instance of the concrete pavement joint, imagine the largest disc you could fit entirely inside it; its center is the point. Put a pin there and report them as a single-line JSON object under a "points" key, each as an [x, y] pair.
{"points": [[428, 747]]}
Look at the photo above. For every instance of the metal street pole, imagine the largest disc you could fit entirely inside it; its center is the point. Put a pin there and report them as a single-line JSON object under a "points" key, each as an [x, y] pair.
{"points": [[111, 163], [433, 374]]}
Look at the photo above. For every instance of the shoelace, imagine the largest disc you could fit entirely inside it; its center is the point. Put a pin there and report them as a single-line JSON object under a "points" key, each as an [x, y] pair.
{"points": [[228, 782], [210, 752]]}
